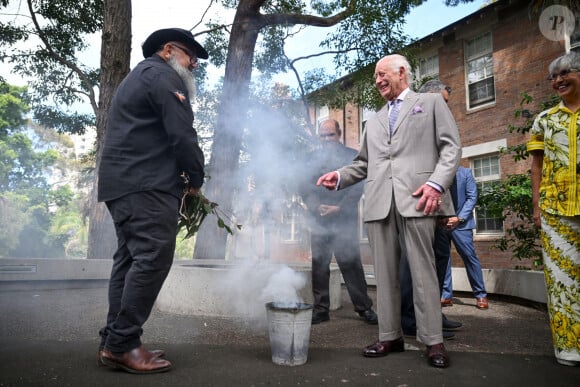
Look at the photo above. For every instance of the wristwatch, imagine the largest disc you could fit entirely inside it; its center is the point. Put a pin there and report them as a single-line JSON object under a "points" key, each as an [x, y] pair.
{"points": [[461, 220]]}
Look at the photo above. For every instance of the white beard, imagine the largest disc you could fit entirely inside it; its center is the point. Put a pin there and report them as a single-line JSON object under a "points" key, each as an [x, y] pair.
{"points": [[185, 75]]}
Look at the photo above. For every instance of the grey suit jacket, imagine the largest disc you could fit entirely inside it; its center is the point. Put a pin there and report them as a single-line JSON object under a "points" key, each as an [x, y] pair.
{"points": [[425, 146]]}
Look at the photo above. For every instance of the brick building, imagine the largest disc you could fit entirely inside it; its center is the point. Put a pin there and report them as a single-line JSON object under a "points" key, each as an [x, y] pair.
{"points": [[489, 58]]}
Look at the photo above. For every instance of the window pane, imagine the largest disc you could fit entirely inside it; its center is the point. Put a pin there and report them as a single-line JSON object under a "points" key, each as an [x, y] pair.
{"points": [[481, 92], [486, 173], [429, 67], [293, 221], [479, 46], [479, 68]]}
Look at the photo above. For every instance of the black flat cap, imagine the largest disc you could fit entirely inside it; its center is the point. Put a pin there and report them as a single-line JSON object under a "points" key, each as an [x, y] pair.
{"points": [[160, 37]]}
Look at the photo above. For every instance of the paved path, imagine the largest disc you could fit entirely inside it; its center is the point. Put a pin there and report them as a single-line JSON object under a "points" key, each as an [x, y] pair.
{"points": [[48, 338]]}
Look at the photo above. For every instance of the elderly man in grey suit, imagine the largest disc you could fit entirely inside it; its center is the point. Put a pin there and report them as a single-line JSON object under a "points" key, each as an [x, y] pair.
{"points": [[409, 154]]}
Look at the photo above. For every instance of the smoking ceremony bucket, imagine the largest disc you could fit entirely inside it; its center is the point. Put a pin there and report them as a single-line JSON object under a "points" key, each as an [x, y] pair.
{"points": [[289, 330]]}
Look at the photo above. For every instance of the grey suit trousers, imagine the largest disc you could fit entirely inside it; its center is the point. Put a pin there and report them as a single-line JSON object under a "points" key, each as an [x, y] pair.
{"points": [[416, 236]]}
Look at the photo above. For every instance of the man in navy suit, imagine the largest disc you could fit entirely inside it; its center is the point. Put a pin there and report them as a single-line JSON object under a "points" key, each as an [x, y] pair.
{"points": [[459, 229]]}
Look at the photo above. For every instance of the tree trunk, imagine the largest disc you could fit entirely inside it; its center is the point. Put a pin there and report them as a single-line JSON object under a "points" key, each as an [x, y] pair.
{"points": [[232, 113], [115, 62]]}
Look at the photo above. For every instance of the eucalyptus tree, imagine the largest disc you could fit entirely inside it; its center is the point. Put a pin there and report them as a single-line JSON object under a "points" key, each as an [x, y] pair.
{"points": [[363, 32], [46, 49], [254, 40], [30, 155]]}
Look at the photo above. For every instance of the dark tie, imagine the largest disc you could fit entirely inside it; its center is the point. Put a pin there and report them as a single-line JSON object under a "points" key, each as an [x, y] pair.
{"points": [[453, 191], [393, 114]]}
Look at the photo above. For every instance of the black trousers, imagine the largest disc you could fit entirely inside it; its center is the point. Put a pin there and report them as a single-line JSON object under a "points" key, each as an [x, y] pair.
{"points": [[146, 227], [346, 251]]}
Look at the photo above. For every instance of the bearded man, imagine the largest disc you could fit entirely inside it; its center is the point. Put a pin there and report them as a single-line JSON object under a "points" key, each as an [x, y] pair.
{"points": [[151, 155]]}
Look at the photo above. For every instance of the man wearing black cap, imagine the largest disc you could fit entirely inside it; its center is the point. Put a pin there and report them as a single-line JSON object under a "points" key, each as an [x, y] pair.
{"points": [[151, 155]]}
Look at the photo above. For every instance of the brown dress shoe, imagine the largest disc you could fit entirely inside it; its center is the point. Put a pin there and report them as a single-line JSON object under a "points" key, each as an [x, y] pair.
{"points": [[153, 352], [437, 356], [383, 348], [446, 302], [482, 303], [136, 361]]}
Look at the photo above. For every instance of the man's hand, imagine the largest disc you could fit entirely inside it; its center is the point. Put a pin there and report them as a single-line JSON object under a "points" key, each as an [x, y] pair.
{"points": [[430, 201], [325, 210], [452, 222], [193, 191], [328, 180]]}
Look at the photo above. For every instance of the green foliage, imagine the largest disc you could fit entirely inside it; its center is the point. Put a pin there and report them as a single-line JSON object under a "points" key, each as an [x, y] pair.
{"points": [[63, 122], [370, 34], [511, 199], [13, 108], [270, 56], [67, 229], [29, 205], [216, 43], [193, 211], [44, 50], [12, 220], [527, 113]]}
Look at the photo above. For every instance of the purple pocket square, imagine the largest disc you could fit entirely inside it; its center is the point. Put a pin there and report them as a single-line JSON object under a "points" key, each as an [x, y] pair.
{"points": [[417, 109]]}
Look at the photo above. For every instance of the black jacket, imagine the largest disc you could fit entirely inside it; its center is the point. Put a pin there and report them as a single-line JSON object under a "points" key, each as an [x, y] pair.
{"points": [[326, 159], [150, 139]]}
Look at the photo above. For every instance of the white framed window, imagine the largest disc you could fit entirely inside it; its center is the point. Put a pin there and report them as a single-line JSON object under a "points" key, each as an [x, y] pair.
{"points": [[486, 171], [428, 69], [479, 70], [293, 220], [322, 113]]}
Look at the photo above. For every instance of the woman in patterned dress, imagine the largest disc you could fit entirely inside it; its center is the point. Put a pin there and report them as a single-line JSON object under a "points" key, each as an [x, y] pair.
{"points": [[555, 149]]}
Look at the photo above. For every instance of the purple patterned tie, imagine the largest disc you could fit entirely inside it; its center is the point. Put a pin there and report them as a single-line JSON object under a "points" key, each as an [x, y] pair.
{"points": [[393, 114]]}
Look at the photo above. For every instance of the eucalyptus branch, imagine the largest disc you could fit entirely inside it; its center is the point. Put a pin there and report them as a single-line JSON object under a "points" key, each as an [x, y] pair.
{"points": [[195, 208], [65, 62], [203, 15], [77, 91], [302, 93], [311, 20], [323, 53], [221, 27]]}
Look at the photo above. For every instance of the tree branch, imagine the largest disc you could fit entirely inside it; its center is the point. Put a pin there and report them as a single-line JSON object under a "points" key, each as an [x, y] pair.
{"points": [[310, 20], [203, 15], [65, 62]]}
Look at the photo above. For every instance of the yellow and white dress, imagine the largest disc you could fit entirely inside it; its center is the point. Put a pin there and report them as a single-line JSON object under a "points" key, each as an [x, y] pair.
{"points": [[556, 132]]}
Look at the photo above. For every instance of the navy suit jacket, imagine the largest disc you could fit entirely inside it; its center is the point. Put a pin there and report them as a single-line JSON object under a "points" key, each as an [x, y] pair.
{"points": [[464, 196]]}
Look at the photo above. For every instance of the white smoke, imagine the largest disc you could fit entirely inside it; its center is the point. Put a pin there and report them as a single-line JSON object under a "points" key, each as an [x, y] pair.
{"points": [[248, 287]]}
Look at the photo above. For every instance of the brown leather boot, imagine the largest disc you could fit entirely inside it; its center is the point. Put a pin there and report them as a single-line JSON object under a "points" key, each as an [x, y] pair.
{"points": [[154, 352], [136, 361]]}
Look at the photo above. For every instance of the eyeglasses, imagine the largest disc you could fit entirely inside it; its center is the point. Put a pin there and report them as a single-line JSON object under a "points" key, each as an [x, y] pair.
{"points": [[325, 135], [189, 53], [562, 74]]}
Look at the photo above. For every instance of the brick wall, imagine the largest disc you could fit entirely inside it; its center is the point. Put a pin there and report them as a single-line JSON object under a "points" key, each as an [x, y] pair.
{"points": [[521, 56]]}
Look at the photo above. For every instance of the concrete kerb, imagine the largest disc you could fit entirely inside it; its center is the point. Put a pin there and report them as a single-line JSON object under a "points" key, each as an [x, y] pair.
{"points": [[26, 272], [196, 288]]}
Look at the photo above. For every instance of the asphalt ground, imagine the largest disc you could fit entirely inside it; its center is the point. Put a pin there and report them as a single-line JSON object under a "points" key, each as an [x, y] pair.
{"points": [[49, 338]]}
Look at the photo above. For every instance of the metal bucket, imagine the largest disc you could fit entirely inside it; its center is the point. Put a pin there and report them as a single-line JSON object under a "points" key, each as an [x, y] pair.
{"points": [[289, 331]]}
